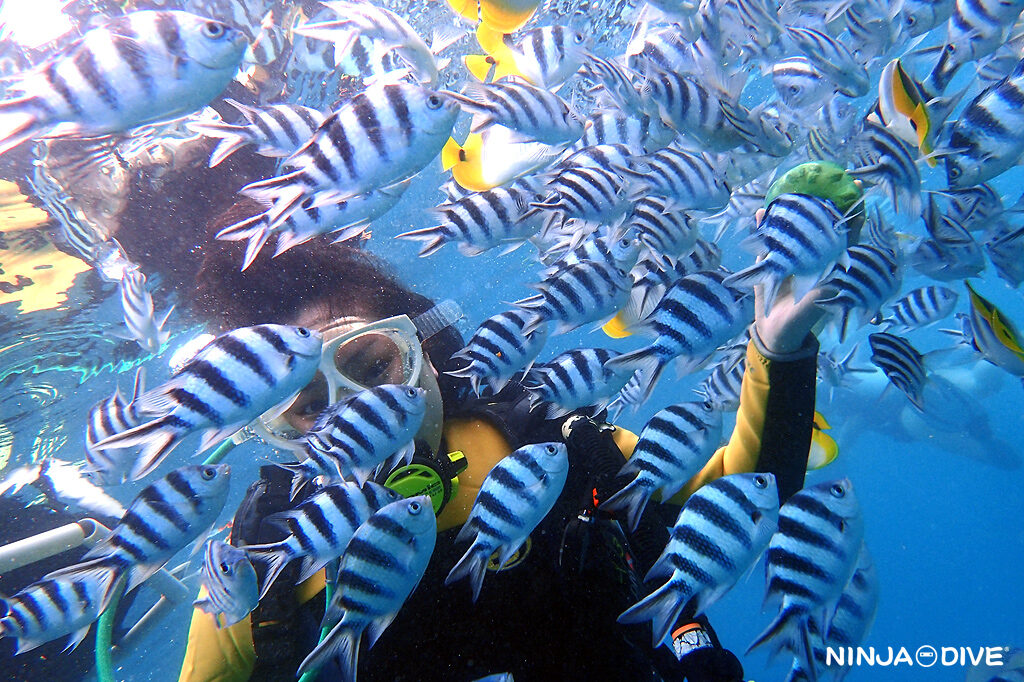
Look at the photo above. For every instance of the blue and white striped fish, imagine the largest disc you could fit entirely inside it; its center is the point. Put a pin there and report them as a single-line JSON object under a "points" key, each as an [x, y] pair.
{"points": [[865, 279], [535, 114], [500, 349], [644, 133], [585, 292], [801, 236], [673, 447], [382, 565], [230, 582], [882, 157], [721, 388], [950, 253], [575, 380], [137, 68], [163, 519], [319, 528], [107, 418], [666, 232], [366, 19], [514, 498], [481, 221], [988, 138], [975, 29], [547, 56], [696, 111], [278, 130], [902, 364], [799, 84], [696, 315], [810, 560], [921, 307], [615, 251], [616, 86], [849, 625], [1005, 248], [833, 59], [688, 181], [587, 193], [722, 530], [139, 315], [917, 17], [56, 606], [383, 135], [234, 379], [355, 435], [344, 218]]}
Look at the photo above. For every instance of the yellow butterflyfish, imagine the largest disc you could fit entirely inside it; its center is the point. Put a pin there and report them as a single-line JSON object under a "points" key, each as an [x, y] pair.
{"points": [[903, 109], [493, 157], [989, 324], [501, 15], [824, 449], [617, 327]]}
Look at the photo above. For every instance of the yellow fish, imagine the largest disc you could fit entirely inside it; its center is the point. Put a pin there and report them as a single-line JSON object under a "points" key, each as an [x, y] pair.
{"points": [[824, 449], [994, 335], [618, 326], [903, 109], [505, 16], [493, 157]]}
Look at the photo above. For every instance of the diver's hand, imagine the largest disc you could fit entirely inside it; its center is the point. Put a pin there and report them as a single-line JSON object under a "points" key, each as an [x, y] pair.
{"points": [[787, 326]]}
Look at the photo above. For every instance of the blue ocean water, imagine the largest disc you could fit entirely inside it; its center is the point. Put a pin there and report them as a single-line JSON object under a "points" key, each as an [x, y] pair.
{"points": [[941, 498]]}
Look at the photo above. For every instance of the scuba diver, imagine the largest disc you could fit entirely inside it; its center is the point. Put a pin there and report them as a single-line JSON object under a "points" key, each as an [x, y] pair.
{"points": [[550, 611]]}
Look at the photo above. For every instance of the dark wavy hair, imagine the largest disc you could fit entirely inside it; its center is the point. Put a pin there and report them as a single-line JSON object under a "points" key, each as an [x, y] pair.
{"points": [[318, 280]]}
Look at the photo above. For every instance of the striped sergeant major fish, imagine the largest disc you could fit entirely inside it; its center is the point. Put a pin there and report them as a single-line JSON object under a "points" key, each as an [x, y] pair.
{"points": [[801, 235], [481, 221], [575, 380], [234, 379], [615, 251], [589, 291], [545, 57], [666, 233], [811, 558], [319, 529], [499, 350], [673, 447], [849, 624], [107, 418], [696, 315], [642, 132], [975, 30], [138, 68], [588, 194], [988, 138], [382, 565], [901, 363], [799, 84], [229, 581], [514, 498], [721, 387], [342, 218], [950, 252], [56, 606], [1005, 248], [687, 181], [881, 156], [354, 436], [277, 130], [139, 315], [918, 17], [356, 19], [615, 84], [165, 518], [383, 135], [920, 308], [536, 115], [865, 279], [720, 533], [833, 59]]}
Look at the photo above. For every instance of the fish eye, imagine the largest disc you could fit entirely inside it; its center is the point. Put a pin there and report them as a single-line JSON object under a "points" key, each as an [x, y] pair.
{"points": [[212, 29], [551, 449], [411, 392], [837, 491], [950, 48], [415, 507], [578, 38], [794, 89], [624, 242], [911, 20], [434, 102], [760, 482], [953, 172], [225, 568], [209, 473], [302, 331]]}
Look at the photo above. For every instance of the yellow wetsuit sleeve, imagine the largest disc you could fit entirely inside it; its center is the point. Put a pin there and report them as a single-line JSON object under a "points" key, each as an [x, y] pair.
{"points": [[217, 654]]}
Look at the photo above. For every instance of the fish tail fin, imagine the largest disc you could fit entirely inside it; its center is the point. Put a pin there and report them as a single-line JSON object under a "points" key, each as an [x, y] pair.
{"points": [[157, 438], [473, 564], [301, 472], [232, 138], [18, 123], [647, 364], [244, 229], [275, 556], [762, 272], [632, 500], [784, 630], [106, 569], [341, 643], [433, 236], [661, 607]]}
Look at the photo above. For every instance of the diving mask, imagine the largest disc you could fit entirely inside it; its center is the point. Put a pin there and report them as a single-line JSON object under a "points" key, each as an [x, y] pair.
{"points": [[387, 351]]}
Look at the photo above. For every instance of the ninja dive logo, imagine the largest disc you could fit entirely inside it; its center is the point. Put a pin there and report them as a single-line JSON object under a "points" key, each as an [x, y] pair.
{"points": [[925, 657]]}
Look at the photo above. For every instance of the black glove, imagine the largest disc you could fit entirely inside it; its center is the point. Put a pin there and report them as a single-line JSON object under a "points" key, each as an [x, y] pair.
{"points": [[701, 657]]}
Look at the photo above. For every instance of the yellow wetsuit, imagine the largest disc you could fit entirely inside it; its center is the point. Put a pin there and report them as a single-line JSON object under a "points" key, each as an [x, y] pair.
{"points": [[769, 398]]}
